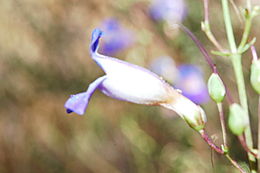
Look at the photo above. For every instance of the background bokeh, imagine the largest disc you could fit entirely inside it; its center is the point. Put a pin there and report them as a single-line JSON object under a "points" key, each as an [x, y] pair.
{"points": [[44, 58]]}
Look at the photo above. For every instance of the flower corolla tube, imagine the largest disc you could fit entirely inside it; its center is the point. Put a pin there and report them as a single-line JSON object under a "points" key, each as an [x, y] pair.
{"points": [[132, 83]]}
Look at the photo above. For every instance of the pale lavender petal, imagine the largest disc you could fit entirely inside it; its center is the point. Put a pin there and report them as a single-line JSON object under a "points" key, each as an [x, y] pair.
{"points": [[79, 102], [98, 58], [127, 81]]}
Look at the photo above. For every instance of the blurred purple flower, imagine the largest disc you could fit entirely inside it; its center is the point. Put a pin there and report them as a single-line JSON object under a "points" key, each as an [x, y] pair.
{"points": [[116, 38], [191, 83], [165, 66], [171, 11]]}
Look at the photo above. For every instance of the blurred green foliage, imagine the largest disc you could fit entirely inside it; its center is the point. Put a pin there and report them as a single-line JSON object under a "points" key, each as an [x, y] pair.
{"points": [[44, 58]]}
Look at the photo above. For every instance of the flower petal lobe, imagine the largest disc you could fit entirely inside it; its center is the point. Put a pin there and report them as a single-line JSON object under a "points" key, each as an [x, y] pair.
{"points": [[79, 102]]}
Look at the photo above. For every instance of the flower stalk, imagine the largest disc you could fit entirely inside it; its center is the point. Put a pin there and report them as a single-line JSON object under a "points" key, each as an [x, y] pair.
{"points": [[237, 65], [255, 83], [244, 145], [223, 124], [219, 150], [248, 24], [209, 141], [235, 164], [258, 147], [205, 26], [206, 57]]}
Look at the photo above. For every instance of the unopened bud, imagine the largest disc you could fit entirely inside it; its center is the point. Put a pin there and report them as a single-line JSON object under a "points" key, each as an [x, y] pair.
{"points": [[198, 120], [216, 88], [237, 119], [193, 114], [256, 11], [255, 75]]}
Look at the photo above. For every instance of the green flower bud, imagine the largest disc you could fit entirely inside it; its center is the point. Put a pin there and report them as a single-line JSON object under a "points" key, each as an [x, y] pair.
{"points": [[255, 75], [198, 119], [216, 88], [237, 120], [255, 11], [193, 114]]}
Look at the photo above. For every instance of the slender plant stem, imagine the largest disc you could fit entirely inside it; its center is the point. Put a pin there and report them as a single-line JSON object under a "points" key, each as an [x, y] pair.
{"points": [[206, 55], [235, 164], [219, 150], [237, 11], [206, 27], [246, 32], [258, 147], [200, 46], [222, 122], [237, 65], [249, 4], [206, 10], [228, 25], [209, 141], [244, 145], [254, 54]]}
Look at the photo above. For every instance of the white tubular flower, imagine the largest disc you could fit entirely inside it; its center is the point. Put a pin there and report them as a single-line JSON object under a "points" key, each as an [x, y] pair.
{"points": [[132, 83]]}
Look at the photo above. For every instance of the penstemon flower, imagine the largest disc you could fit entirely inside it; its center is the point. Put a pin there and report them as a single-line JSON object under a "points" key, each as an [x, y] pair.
{"points": [[132, 83]]}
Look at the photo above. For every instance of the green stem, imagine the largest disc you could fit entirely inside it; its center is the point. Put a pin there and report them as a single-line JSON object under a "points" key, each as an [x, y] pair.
{"points": [[237, 65], [206, 26], [222, 122], [246, 32], [235, 164], [211, 37], [258, 132], [228, 26], [219, 150], [249, 6]]}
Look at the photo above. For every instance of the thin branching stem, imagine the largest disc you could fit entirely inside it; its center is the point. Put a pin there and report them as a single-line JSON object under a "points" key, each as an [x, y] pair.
{"points": [[222, 122], [237, 11], [209, 141], [254, 54], [219, 150], [258, 147], [237, 65], [249, 4], [206, 56], [255, 58], [206, 27], [235, 164], [247, 29], [206, 10], [244, 145]]}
